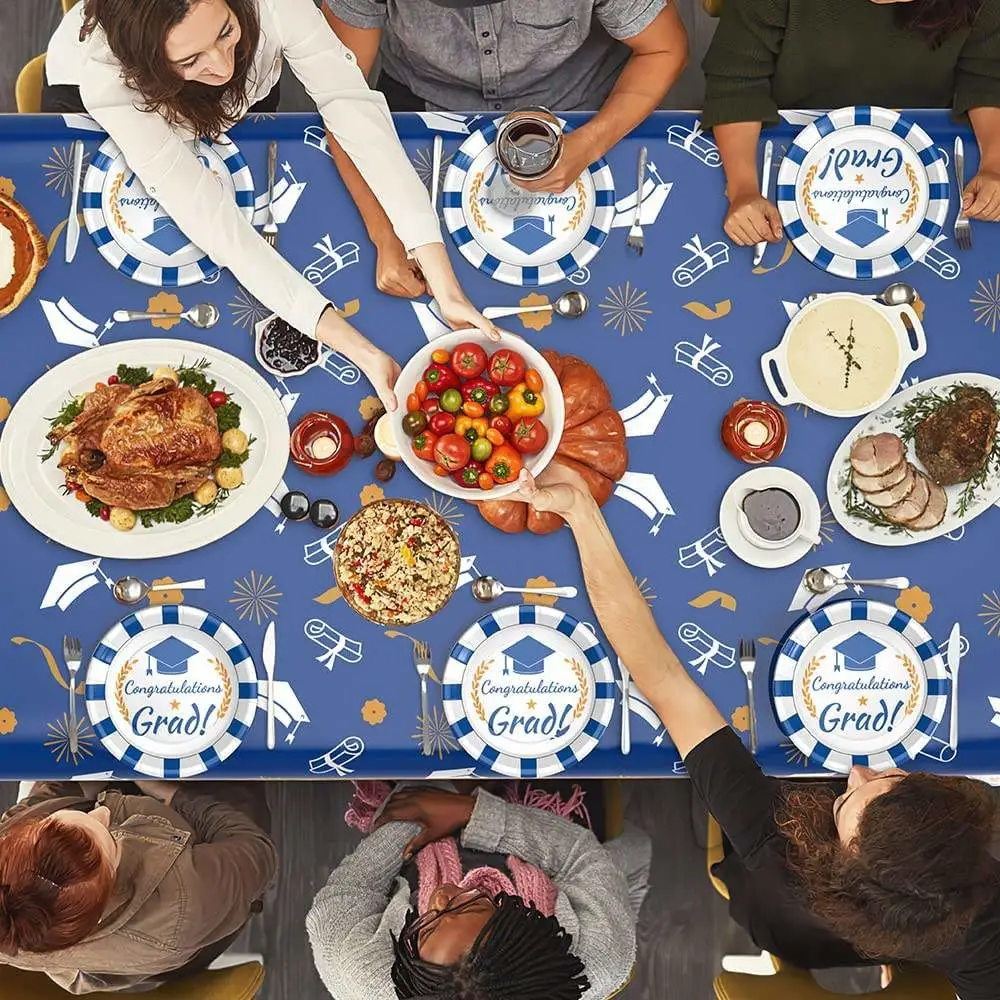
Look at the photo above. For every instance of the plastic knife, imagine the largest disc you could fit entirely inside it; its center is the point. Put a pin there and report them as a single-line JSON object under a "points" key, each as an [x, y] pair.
{"points": [[268, 657], [72, 222], [765, 188], [952, 655]]}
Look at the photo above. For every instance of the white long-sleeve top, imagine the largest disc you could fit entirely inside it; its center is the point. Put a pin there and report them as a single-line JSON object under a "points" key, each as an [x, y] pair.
{"points": [[160, 154]]}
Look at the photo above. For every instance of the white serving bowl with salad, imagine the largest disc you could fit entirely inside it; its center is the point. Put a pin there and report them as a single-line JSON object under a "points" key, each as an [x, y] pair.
{"points": [[455, 395]]}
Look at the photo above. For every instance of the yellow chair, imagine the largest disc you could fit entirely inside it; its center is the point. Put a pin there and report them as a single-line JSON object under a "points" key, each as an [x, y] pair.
{"points": [[239, 982], [712, 7], [67, 4], [28, 88], [907, 982]]}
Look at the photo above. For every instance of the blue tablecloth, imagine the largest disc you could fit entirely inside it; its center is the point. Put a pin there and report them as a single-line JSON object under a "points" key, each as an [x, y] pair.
{"points": [[642, 331]]}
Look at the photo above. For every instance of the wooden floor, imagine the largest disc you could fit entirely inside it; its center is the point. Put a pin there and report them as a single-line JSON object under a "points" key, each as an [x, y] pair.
{"points": [[684, 930]]}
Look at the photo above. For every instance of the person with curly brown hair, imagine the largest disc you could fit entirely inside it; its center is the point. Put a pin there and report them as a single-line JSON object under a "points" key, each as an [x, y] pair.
{"points": [[884, 867]]}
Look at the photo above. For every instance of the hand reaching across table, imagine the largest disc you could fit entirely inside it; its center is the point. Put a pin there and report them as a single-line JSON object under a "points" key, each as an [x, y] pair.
{"points": [[440, 813], [752, 219]]}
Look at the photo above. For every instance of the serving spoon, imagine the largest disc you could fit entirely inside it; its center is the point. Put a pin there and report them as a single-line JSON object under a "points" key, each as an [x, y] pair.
{"points": [[569, 305], [488, 588], [822, 581], [203, 315], [131, 590]]}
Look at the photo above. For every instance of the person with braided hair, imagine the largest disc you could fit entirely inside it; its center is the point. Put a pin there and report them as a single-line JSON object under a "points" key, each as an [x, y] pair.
{"points": [[493, 895], [888, 866]]}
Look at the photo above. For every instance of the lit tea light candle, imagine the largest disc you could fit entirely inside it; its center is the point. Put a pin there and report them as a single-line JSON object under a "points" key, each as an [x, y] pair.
{"points": [[322, 447], [754, 432]]}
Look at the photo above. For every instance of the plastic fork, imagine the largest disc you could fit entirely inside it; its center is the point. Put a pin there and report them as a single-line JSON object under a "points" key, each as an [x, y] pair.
{"points": [[748, 660], [422, 661], [270, 230], [73, 655], [634, 241]]}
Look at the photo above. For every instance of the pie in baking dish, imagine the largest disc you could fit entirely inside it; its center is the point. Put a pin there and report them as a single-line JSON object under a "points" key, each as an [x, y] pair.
{"points": [[23, 254]]}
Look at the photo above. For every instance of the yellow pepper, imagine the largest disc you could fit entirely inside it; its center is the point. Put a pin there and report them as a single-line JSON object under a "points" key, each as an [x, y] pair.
{"points": [[524, 403], [481, 424], [462, 423]]}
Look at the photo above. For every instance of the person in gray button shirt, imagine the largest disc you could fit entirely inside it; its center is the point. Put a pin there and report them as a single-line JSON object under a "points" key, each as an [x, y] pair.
{"points": [[616, 57]]}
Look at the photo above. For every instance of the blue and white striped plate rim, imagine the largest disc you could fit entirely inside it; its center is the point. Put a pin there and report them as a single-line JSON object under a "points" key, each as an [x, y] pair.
{"points": [[483, 131], [787, 656], [238, 659], [604, 685], [118, 257], [937, 207]]}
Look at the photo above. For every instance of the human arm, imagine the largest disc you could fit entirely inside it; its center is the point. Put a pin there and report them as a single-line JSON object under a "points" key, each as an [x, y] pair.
{"points": [[738, 68], [45, 791], [981, 198], [659, 55], [353, 915], [593, 903], [623, 613]]}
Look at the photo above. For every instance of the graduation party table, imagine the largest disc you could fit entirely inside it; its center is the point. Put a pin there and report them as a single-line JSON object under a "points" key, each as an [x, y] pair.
{"points": [[677, 334]]}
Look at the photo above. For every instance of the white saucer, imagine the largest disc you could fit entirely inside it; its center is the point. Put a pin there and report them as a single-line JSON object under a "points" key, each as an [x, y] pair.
{"points": [[762, 479]]}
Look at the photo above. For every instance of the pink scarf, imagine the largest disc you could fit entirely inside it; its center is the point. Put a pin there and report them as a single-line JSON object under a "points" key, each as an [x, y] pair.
{"points": [[439, 863]]}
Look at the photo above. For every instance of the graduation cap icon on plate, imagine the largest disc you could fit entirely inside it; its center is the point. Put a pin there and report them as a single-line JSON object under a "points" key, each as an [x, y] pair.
{"points": [[166, 237], [527, 656], [862, 227], [530, 234], [859, 652], [170, 656]]}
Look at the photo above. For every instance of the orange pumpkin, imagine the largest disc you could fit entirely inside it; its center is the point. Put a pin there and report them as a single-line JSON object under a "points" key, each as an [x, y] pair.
{"points": [[593, 443]]}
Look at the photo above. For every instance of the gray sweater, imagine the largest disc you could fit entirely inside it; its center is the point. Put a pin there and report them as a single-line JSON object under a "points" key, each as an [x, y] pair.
{"points": [[600, 888]]}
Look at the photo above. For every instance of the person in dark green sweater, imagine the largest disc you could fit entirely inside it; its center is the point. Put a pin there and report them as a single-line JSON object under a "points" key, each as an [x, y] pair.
{"points": [[770, 54]]}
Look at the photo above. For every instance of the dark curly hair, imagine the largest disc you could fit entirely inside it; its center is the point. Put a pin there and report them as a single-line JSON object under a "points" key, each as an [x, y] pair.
{"points": [[916, 875], [137, 32], [937, 19], [519, 955]]}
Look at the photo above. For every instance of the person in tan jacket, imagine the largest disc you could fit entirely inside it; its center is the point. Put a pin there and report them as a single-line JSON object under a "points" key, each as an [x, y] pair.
{"points": [[126, 892]]}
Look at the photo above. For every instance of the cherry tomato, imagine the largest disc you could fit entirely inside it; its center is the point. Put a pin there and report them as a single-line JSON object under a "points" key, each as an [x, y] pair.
{"points": [[217, 399], [412, 402], [529, 435], [499, 404], [423, 445], [507, 367], [83, 496], [105, 513], [486, 481], [442, 423], [468, 475], [414, 422], [469, 360], [431, 406], [113, 380], [471, 409], [471, 434], [494, 436], [533, 380], [421, 390], [440, 470], [481, 449], [440, 357], [451, 400], [502, 424], [452, 452]]}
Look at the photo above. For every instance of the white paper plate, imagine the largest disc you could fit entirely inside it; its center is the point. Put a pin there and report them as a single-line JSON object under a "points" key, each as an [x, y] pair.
{"points": [[34, 487]]}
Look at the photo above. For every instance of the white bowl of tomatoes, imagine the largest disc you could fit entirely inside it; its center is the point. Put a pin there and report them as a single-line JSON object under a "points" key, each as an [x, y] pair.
{"points": [[474, 412]]}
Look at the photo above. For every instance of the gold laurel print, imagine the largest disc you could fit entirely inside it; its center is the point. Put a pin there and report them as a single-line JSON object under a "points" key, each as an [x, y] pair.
{"points": [[810, 705], [581, 206], [477, 678], [54, 667], [227, 688]]}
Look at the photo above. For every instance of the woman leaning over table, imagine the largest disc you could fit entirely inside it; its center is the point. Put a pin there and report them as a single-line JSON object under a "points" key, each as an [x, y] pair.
{"points": [[154, 73], [881, 868], [496, 895], [125, 892], [771, 54]]}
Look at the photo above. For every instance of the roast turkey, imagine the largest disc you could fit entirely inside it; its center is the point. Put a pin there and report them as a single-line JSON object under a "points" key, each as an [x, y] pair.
{"points": [[140, 448]]}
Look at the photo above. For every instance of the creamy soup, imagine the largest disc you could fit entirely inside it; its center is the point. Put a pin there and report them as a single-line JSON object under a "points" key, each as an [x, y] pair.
{"points": [[843, 355]]}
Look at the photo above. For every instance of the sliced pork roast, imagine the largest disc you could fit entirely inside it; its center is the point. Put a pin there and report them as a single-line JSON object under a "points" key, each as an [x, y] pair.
{"points": [[877, 454]]}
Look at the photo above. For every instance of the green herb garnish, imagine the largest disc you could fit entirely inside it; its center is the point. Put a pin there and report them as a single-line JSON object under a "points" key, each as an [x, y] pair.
{"points": [[227, 416], [209, 507], [231, 460], [182, 509], [94, 507], [68, 413], [193, 376], [133, 376]]}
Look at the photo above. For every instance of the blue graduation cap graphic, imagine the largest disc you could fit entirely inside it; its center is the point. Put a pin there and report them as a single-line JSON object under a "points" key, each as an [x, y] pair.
{"points": [[165, 236], [530, 233], [858, 652], [527, 656], [862, 227], [171, 656]]}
